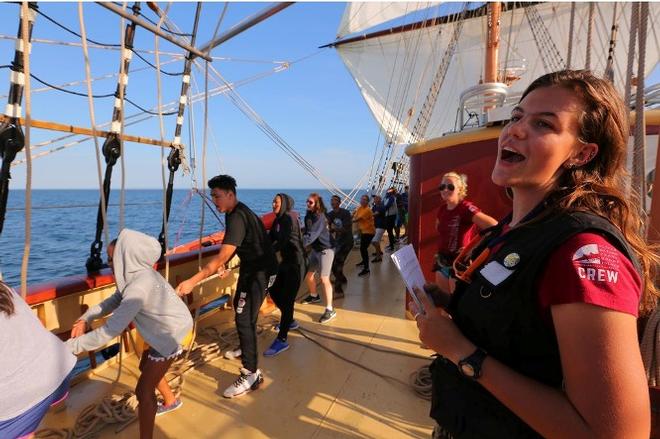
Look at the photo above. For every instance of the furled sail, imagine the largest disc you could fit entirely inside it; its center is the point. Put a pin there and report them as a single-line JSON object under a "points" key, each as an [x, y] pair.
{"points": [[395, 70], [359, 16]]}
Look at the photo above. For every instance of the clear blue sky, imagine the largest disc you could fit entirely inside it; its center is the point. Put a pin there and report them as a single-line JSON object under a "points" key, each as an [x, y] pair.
{"points": [[315, 105]]}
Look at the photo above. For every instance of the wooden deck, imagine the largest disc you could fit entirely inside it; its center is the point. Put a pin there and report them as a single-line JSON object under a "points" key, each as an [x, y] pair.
{"points": [[307, 392]]}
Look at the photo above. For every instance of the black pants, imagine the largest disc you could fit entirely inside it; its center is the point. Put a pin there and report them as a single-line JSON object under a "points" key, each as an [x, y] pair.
{"points": [[390, 222], [250, 294], [284, 292], [338, 264], [365, 242]]}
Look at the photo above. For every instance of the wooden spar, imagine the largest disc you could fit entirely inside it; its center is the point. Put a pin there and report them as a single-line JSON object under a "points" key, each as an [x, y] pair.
{"points": [[435, 21], [493, 41], [244, 25], [53, 126], [153, 29]]}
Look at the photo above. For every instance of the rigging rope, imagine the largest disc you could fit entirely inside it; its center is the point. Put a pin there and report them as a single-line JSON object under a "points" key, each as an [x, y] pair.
{"points": [[27, 15], [88, 75], [163, 234], [99, 96], [609, 67], [508, 44], [123, 73], [397, 123], [571, 30], [639, 168], [632, 44], [98, 78], [549, 54], [71, 92], [590, 31], [155, 67], [71, 31]]}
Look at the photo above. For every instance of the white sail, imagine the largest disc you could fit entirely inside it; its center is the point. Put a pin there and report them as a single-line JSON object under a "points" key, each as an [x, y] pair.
{"points": [[395, 71], [359, 16]]}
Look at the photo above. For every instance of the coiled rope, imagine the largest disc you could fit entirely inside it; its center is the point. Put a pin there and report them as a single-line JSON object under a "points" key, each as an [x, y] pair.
{"points": [[121, 410]]}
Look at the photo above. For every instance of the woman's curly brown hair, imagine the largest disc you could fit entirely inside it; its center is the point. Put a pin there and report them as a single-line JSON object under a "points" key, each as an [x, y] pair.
{"points": [[601, 186]]}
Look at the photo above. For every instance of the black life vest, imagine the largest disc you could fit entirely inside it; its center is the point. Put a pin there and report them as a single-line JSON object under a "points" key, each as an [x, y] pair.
{"points": [[504, 320]]}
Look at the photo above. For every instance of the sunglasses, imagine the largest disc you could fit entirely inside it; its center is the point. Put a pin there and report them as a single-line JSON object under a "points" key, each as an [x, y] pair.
{"points": [[310, 202], [450, 187]]}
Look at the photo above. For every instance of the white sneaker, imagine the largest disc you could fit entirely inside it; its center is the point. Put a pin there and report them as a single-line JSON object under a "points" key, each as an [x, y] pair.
{"points": [[233, 355], [246, 382]]}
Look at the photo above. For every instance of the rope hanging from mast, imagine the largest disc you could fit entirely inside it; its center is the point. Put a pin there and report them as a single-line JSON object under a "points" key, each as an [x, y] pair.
{"points": [[92, 117], [571, 31], [590, 31], [26, 12], [12, 139], [177, 154], [632, 45], [639, 168], [609, 67], [112, 147]]}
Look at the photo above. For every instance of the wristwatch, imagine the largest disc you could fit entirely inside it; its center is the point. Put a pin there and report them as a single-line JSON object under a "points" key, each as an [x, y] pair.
{"points": [[470, 366]]}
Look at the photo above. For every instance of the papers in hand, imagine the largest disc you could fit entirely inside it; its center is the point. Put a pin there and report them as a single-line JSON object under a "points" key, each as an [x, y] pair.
{"points": [[407, 263]]}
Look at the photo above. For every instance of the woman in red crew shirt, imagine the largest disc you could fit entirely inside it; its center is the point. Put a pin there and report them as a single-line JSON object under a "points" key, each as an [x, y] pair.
{"points": [[454, 221], [566, 362]]}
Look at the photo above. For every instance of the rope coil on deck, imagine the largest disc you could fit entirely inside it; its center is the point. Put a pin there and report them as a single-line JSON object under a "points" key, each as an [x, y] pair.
{"points": [[122, 409]]}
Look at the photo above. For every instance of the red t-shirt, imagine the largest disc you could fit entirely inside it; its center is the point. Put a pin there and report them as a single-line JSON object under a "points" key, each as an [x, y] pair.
{"points": [[453, 227], [588, 269]]}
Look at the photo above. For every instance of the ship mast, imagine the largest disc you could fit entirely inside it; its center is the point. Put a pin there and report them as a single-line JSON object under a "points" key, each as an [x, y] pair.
{"points": [[492, 41]]}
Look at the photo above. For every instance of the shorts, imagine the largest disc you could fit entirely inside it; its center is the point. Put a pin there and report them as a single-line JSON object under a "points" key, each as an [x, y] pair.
{"points": [[154, 355], [378, 236], [444, 265], [27, 422], [321, 261], [445, 270]]}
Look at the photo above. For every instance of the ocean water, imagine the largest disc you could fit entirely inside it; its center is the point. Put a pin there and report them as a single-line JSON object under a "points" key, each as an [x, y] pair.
{"points": [[64, 224]]}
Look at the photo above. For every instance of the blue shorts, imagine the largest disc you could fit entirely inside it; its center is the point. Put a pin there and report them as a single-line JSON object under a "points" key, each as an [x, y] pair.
{"points": [[27, 422]]}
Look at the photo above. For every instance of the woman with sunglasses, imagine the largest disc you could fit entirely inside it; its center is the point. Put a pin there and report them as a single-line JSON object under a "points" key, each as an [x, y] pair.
{"points": [[321, 254], [454, 223], [540, 339]]}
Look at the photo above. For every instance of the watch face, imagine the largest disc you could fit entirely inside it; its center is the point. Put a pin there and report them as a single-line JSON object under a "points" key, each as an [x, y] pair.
{"points": [[467, 369]]}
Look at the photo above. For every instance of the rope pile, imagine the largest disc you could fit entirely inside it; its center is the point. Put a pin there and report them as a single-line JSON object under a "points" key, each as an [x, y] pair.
{"points": [[114, 409], [420, 381], [122, 409]]}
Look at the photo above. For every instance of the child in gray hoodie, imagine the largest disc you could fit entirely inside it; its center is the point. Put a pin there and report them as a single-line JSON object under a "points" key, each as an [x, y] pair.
{"points": [[145, 298]]}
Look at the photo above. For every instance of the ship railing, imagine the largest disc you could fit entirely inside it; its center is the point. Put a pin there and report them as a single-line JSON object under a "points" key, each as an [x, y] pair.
{"points": [[651, 97], [475, 102]]}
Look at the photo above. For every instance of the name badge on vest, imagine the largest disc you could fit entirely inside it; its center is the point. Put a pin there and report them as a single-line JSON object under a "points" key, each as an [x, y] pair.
{"points": [[495, 273]]}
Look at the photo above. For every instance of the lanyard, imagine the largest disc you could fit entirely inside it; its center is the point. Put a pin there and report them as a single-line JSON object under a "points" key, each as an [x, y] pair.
{"points": [[465, 266]]}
